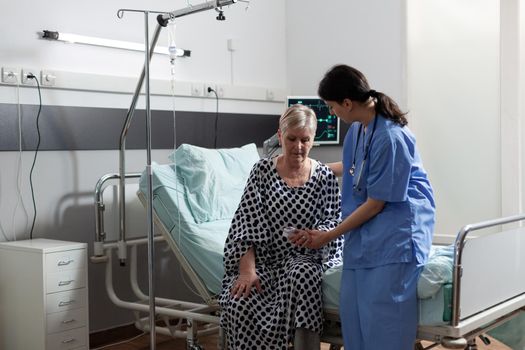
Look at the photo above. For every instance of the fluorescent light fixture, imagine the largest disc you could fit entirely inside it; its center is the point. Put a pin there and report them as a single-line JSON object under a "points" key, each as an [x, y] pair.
{"points": [[118, 44]]}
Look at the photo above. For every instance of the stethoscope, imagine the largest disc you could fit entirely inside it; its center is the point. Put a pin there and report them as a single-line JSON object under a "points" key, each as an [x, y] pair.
{"points": [[365, 157]]}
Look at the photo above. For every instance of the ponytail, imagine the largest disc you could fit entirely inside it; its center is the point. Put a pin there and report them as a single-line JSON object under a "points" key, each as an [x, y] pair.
{"points": [[388, 108]]}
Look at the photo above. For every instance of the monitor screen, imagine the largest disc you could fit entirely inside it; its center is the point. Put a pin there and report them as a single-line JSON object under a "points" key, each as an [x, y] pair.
{"points": [[327, 125]]}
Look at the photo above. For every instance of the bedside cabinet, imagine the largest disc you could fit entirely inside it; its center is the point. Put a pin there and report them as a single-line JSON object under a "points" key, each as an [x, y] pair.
{"points": [[43, 295]]}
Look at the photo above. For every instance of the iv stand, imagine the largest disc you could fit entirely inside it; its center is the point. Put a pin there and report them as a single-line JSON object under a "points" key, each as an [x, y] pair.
{"points": [[162, 19]]}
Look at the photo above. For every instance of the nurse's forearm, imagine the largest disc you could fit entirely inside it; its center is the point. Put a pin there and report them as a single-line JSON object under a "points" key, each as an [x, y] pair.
{"points": [[337, 168], [362, 214]]}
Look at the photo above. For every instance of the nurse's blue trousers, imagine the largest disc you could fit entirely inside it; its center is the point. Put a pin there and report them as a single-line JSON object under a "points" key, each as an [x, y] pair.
{"points": [[378, 307]]}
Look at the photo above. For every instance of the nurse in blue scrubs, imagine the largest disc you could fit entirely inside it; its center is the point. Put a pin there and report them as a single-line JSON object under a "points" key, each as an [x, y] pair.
{"points": [[388, 211]]}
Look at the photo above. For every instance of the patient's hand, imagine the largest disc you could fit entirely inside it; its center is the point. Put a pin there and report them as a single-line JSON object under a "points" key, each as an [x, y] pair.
{"points": [[316, 239], [244, 284], [299, 238]]}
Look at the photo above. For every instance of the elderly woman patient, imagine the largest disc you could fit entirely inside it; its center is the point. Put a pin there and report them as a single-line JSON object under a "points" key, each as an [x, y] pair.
{"points": [[271, 292]]}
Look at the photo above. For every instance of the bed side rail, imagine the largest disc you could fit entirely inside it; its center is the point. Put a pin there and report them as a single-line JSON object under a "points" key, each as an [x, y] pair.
{"points": [[458, 254], [100, 232]]}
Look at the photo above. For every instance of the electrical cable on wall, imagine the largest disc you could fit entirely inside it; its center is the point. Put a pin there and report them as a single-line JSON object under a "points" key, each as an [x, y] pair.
{"points": [[31, 76], [216, 115], [19, 166]]}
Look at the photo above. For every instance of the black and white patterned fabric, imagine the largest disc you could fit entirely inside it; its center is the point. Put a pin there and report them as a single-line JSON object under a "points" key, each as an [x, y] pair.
{"points": [[290, 277]]}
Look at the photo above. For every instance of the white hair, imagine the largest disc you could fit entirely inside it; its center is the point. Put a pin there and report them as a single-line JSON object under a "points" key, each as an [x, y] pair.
{"points": [[298, 116]]}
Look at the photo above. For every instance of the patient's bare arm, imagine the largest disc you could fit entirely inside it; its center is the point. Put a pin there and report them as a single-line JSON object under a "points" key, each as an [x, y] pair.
{"points": [[247, 276]]}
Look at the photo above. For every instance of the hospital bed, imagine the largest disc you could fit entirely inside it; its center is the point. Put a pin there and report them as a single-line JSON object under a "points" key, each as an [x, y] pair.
{"points": [[194, 199]]}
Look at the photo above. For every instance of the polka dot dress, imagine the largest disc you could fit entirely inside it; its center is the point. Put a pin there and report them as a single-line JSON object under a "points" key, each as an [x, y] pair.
{"points": [[290, 277]]}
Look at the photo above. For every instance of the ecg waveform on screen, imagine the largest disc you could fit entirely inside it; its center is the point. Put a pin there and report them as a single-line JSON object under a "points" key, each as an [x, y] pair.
{"points": [[326, 128], [327, 124]]}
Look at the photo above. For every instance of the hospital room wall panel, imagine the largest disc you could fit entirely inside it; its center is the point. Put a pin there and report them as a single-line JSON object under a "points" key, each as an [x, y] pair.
{"points": [[453, 81], [368, 35], [116, 99], [83, 128], [511, 112], [93, 128], [521, 98]]}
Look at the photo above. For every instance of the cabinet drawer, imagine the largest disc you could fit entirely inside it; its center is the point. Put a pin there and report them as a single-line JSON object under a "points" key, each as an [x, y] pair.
{"points": [[62, 321], [65, 280], [72, 339], [66, 260], [63, 301]]}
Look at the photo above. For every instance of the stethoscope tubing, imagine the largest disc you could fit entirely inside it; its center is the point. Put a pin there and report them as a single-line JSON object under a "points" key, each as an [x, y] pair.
{"points": [[366, 153]]}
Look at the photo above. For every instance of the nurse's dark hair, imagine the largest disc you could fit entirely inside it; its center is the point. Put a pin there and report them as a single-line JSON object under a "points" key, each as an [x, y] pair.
{"points": [[343, 81]]}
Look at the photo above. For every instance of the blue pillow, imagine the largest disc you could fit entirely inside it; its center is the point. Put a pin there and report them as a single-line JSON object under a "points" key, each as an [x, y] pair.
{"points": [[213, 179]]}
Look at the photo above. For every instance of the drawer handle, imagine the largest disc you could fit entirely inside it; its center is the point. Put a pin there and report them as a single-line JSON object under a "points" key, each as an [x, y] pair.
{"points": [[67, 341], [64, 263], [65, 283], [65, 303]]}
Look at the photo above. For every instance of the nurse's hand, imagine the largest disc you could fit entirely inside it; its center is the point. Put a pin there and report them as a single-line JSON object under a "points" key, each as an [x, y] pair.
{"points": [[317, 239], [299, 238], [244, 284]]}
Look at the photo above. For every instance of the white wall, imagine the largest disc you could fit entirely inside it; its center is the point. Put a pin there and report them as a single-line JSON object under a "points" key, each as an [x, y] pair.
{"points": [[201, 33], [511, 112], [454, 65], [105, 69], [521, 96], [454, 96], [322, 34], [369, 35]]}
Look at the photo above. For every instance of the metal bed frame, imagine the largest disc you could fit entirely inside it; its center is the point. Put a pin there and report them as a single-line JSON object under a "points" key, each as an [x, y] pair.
{"points": [[201, 319], [462, 332]]}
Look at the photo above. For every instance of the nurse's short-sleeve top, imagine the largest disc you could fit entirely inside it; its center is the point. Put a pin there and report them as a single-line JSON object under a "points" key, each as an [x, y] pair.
{"points": [[392, 172]]}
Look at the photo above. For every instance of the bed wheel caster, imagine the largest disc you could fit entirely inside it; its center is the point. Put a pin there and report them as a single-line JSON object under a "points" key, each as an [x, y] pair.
{"points": [[418, 346], [454, 343], [484, 339]]}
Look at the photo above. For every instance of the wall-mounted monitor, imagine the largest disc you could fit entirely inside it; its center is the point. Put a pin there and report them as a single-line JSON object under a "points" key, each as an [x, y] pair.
{"points": [[327, 125]]}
